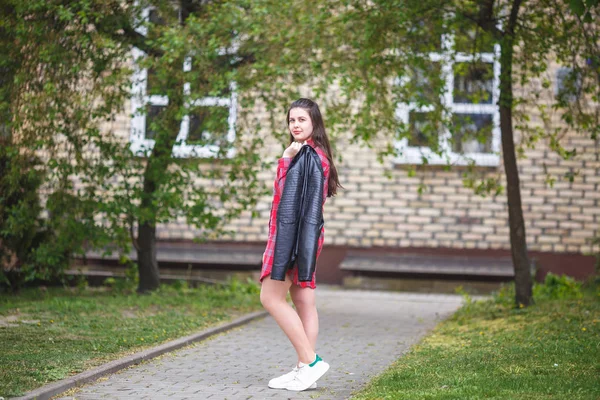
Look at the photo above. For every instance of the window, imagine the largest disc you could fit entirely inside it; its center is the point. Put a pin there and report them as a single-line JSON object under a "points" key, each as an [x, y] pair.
{"points": [[472, 133], [473, 83], [568, 84], [470, 90], [210, 122], [421, 128]]}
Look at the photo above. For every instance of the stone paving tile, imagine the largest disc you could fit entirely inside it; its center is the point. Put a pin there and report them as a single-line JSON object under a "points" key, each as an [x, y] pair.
{"points": [[361, 333]]}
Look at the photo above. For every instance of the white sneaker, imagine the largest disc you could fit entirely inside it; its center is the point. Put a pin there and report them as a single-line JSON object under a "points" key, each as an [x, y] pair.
{"points": [[281, 381], [307, 375]]}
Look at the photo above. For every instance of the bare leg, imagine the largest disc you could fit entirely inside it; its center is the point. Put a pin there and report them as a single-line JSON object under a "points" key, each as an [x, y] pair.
{"points": [[272, 297], [304, 300]]}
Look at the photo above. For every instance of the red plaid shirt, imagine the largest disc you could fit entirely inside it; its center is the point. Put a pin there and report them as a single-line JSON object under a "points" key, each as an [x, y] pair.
{"points": [[282, 167]]}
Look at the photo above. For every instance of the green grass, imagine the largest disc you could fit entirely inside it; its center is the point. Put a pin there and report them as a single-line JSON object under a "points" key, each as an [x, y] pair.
{"points": [[492, 350], [60, 332]]}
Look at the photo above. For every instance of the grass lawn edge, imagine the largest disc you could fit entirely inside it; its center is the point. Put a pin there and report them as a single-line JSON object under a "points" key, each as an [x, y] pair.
{"points": [[540, 352], [61, 386]]}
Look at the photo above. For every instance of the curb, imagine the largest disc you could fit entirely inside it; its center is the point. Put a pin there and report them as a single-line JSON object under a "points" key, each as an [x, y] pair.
{"points": [[53, 389]]}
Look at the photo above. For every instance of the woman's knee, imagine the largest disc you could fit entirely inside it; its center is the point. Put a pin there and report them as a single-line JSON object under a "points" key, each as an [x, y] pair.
{"points": [[269, 295], [266, 299]]}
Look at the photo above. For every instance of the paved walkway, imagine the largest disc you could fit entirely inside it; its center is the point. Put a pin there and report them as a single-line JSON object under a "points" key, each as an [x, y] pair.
{"points": [[361, 334]]}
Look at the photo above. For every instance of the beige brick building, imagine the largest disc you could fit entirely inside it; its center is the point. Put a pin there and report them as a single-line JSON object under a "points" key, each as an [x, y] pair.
{"points": [[381, 210]]}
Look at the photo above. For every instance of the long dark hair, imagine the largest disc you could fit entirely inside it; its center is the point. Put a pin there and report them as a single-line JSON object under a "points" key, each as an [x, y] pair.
{"points": [[320, 138]]}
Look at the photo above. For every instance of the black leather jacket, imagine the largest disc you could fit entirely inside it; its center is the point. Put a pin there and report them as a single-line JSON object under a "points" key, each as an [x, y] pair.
{"points": [[299, 217]]}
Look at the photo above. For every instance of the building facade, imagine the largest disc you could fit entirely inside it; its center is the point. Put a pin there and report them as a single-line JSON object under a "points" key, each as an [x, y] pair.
{"points": [[385, 208]]}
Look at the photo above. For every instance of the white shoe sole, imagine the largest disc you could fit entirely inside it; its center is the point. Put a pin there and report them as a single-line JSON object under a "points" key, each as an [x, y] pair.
{"points": [[322, 368], [313, 386]]}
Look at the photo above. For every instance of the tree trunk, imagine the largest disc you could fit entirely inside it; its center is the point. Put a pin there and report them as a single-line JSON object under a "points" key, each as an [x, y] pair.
{"points": [[154, 177], [147, 263], [146, 244], [518, 242]]}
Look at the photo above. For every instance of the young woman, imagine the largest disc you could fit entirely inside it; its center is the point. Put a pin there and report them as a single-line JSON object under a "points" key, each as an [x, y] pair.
{"points": [[301, 326]]}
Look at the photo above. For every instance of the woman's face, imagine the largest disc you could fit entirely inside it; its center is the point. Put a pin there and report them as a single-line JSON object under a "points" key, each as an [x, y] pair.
{"points": [[300, 124]]}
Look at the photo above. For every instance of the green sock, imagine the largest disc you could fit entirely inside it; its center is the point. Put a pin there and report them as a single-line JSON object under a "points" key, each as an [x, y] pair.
{"points": [[317, 359]]}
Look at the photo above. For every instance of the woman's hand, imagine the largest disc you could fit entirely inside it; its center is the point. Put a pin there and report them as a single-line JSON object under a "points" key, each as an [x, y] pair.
{"points": [[293, 149]]}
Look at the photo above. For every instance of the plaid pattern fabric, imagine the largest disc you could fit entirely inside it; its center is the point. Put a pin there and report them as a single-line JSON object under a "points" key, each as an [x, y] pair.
{"points": [[282, 167]]}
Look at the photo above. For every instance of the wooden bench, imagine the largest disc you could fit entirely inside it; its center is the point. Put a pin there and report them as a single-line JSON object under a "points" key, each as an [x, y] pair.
{"points": [[186, 254], [428, 265], [192, 262]]}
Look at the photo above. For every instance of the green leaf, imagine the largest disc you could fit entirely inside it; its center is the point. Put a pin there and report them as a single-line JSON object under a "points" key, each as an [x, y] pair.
{"points": [[577, 6]]}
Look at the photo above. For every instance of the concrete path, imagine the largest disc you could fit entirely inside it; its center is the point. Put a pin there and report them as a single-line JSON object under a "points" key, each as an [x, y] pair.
{"points": [[361, 334]]}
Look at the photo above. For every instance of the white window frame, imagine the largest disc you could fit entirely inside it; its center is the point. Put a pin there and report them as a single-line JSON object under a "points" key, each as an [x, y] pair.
{"points": [[415, 154], [142, 146]]}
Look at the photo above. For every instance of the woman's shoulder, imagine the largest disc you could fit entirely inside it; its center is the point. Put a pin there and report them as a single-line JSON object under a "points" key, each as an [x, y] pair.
{"points": [[321, 152], [322, 156]]}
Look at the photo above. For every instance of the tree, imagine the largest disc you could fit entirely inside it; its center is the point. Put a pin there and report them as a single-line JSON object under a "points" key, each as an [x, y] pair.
{"points": [[188, 159], [46, 122], [198, 56], [384, 53], [100, 190], [190, 61]]}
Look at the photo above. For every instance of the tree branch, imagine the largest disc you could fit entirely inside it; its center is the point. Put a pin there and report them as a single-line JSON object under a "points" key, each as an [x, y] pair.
{"points": [[512, 20], [138, 40], [122, 31], [484, 19]]}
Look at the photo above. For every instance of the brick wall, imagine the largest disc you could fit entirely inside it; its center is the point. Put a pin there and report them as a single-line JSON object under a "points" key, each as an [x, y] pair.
{"points": [[374, 210]]}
